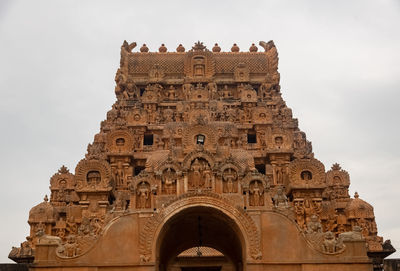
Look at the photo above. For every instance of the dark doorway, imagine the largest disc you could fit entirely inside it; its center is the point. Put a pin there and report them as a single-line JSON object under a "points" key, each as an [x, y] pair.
{"points": [[200, 227], [205, 268]]}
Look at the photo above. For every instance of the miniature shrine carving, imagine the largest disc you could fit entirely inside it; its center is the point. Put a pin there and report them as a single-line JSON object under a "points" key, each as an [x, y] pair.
{"points": [[200, 148]]}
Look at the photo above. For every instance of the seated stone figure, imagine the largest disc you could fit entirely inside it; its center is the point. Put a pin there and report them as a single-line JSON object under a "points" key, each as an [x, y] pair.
{"points": [[280, 199], [314, 226]]}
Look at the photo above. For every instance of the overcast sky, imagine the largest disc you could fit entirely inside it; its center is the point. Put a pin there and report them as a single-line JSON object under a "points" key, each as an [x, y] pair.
{"points": [[339, 65]]}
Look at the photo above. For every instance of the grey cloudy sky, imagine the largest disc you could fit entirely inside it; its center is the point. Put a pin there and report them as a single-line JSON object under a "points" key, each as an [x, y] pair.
{"points": [[339, 65]]}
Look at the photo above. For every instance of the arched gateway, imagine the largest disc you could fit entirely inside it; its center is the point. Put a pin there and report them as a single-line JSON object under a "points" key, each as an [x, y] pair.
{"points": [[200, 165], [203, 221]]}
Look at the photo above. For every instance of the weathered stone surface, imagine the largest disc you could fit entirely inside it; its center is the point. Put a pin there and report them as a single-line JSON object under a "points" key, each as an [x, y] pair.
{"points": [[200, 150]]}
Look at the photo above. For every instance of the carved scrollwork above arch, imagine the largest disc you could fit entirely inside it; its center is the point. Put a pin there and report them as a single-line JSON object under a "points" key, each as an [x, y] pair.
{"points": [[119, 141], [143, 177], [93, 174], [153, 226], [307, 172], [190, 157], [230, 163], [169, 163], [255, 176]]}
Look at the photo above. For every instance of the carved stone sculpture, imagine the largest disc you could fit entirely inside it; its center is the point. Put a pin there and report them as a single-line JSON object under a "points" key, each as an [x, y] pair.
{"points": [[280, 199]]}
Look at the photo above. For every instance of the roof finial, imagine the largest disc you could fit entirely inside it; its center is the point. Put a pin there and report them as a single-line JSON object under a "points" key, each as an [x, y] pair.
{"points": [[235, 48], [253, 48], [180, 48], [144, 48], [162, 48], [199, 46], [216, 48]]}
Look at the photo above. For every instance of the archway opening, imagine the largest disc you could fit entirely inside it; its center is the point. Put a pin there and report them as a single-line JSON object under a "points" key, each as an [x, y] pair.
{"points": [[187, 238]]}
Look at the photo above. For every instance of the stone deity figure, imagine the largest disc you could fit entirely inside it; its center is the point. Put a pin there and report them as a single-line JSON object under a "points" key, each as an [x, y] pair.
{"points": [[212, 88], [84, 228], [262, 140], [207, 178], [256, 195], [131, 91], [119, 174], [314, 226], [195, 179], [299, 210], [308, 209], [187, 89], [226, 93], [280, 199], [279, 175], [143, 195], [71, 247], [71, 225], [229, 177], [169, 182], [171, 93]]}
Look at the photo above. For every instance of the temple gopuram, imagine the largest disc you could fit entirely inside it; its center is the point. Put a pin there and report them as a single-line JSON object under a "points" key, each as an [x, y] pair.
{"points": [[200, 165]]}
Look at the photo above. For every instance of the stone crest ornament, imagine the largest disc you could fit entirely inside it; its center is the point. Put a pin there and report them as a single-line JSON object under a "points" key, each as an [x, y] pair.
{"points": [[200, 163]]}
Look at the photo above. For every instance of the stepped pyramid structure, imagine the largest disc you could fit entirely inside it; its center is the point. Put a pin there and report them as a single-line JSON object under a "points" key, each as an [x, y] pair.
{"points": [[200, 165]]}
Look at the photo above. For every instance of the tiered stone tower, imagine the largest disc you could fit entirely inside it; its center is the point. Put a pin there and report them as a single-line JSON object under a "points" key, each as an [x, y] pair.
{"points": [[200, 153]]}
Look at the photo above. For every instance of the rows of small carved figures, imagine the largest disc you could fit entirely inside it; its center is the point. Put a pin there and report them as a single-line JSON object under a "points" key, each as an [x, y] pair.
{"points": [[76, 228], [127, 90], [75, 236]]}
